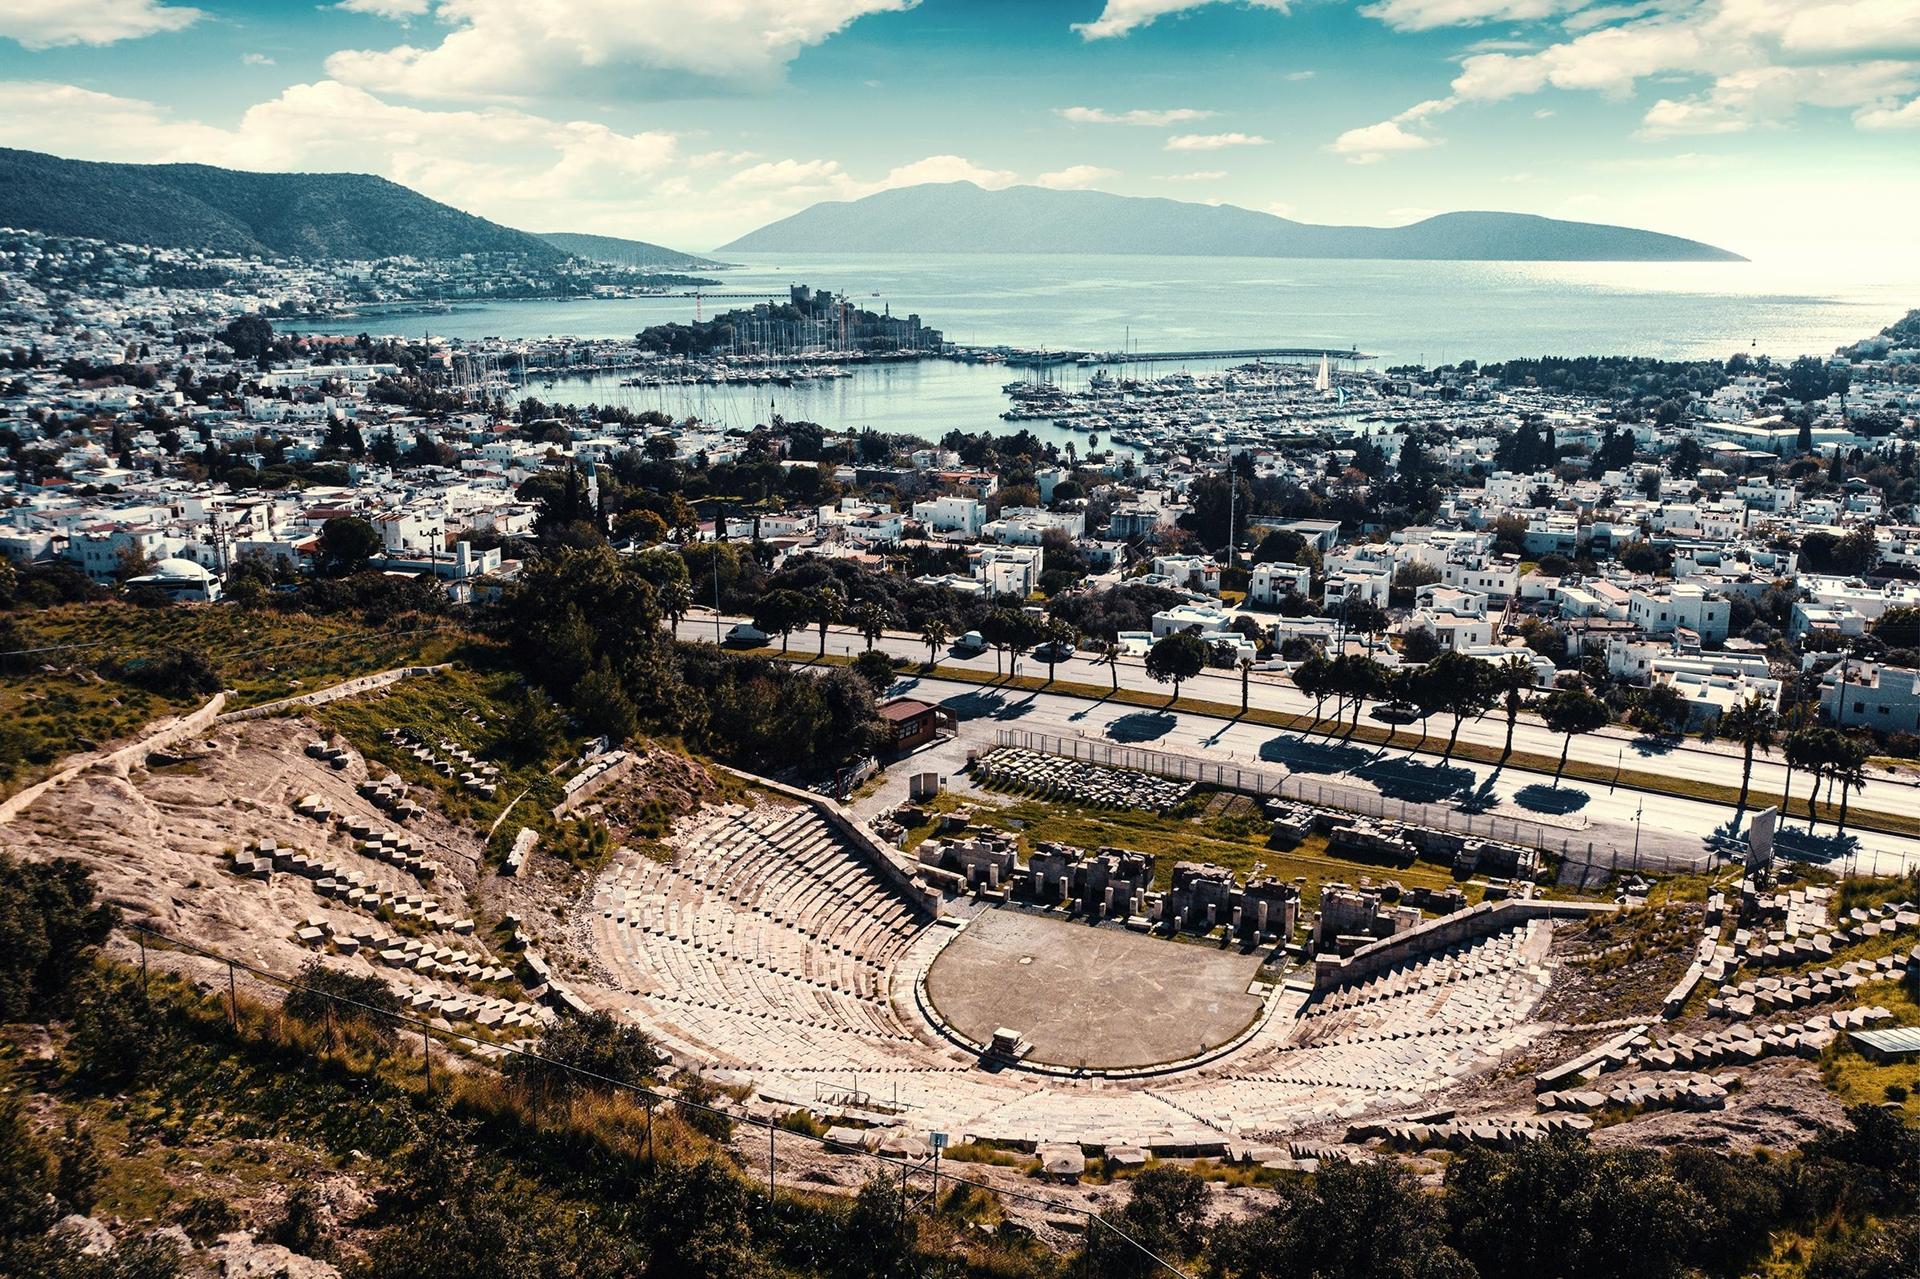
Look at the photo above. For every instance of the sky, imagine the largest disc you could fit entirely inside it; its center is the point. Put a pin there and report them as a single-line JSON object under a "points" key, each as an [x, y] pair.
{"points": [[689, 122]]}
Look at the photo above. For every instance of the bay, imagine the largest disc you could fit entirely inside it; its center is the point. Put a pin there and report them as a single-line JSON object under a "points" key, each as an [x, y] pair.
{"points": [[1786, 302]]}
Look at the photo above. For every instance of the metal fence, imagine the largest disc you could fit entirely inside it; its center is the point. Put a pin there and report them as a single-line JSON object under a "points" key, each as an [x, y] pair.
{"points": [[1569, 846], [919, 1181]]}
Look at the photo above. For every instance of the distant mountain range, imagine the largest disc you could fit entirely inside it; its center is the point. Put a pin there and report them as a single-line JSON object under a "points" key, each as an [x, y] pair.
{"points": [[313, 215], [960, 217], [618, 252]]}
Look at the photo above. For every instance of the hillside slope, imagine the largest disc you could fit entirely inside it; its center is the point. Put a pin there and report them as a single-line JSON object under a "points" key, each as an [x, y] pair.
{"points": [[617, 251], [197, 206]]}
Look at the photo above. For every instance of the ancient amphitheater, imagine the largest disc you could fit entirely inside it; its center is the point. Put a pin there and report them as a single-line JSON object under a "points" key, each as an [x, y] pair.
{"points": [[785, 949]]}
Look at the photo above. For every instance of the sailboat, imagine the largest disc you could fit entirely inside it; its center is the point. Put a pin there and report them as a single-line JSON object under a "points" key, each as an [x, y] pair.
{"points": [[1323, 380]]}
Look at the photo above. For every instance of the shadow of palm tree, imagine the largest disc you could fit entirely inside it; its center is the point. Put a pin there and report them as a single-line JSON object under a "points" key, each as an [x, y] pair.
{"points": [[1650, 744], [1551, 799], [1142, 726], [1014, 710], [1314, 757], [1411, 779], [974, 705]]}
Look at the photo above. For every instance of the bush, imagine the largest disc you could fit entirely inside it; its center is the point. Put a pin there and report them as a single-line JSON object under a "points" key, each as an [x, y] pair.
{"points": [[596, 1045], [50, 928], [358, 1002], [176, 672]]}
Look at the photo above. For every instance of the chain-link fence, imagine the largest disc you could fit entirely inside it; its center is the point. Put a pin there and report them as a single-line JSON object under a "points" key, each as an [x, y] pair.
{"points": [[780, 1151]]}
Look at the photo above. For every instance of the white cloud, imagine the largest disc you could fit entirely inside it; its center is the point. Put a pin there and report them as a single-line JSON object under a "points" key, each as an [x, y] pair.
{"points": [[947, 168], [1740, 100], [1122, 16], [1198, 175], [1367, 144], [44, 24], [1214, 141], [256, 60], [1140, 117], [1373, 142], [1281, 209], [1076, 177], [1903, 117], [1425, 15], [519, 47], [1297, 76], [397, 10], [1763, 61]]}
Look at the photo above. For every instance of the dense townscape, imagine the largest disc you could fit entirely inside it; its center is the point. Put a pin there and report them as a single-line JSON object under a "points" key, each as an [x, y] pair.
{"points": [[1281, 818]]}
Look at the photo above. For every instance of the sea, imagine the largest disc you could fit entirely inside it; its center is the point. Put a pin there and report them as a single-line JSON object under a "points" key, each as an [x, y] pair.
{"points": [[1789, 300]]}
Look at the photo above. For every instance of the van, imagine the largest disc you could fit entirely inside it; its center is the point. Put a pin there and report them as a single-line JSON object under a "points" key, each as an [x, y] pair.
{"points": [[971, 642], [746, 633]]}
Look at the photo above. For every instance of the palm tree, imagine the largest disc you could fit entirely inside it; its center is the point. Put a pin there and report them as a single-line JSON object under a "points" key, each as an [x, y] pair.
{"points": [[675, 599], [1513, 679], [1110, 651], [1802, 750], [870, 620], [1849, 770], [933, 635], [1058, 637], [1246, 673], [1754, 724], [828, 607]]}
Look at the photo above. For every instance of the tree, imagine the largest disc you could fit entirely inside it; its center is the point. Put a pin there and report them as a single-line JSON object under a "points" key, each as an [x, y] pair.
{"points": [[1899, 627], [593, 1051], [1364, 617], [1010, 631], [1355, 678], [780, 613], [869, 618], [1058, 637], [1753, 723], [1850, 774], [346, 543], [1802, 751], [676, 598], [1110, 654], [1457, 685], [1313, 677], [1660, 708], [1350, 1220], [827, 607], [249, 336], [934, 634], [1245, 665], [50, 928], [1176, 657], [1513, 679], [1572, 711]]}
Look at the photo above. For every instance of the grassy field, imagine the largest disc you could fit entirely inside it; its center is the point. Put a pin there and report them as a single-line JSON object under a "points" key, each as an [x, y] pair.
{"points": [[79, 691], [436, 708]]}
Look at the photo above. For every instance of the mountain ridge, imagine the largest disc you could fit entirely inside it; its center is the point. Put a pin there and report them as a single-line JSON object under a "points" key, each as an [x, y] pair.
{"points": [[960, 217], [622, 251], [313, 215]]}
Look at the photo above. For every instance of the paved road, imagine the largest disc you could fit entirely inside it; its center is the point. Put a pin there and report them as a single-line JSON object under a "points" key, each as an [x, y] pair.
{"points": [[1618, 748], [1667, 829]]}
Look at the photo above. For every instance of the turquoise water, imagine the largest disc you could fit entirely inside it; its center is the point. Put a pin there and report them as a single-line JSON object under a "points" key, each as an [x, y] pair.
{"points": [[1430, 312]]}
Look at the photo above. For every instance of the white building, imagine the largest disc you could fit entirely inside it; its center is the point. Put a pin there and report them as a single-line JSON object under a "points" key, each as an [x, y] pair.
{"points": [[1884, 698]]}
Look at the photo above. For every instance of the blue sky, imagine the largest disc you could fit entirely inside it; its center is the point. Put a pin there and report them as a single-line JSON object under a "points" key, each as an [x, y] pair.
{"points": [[1737, 121]]}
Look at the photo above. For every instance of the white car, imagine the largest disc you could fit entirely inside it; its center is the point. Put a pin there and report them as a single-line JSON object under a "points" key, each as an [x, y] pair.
{"points": [[746, 633]]}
